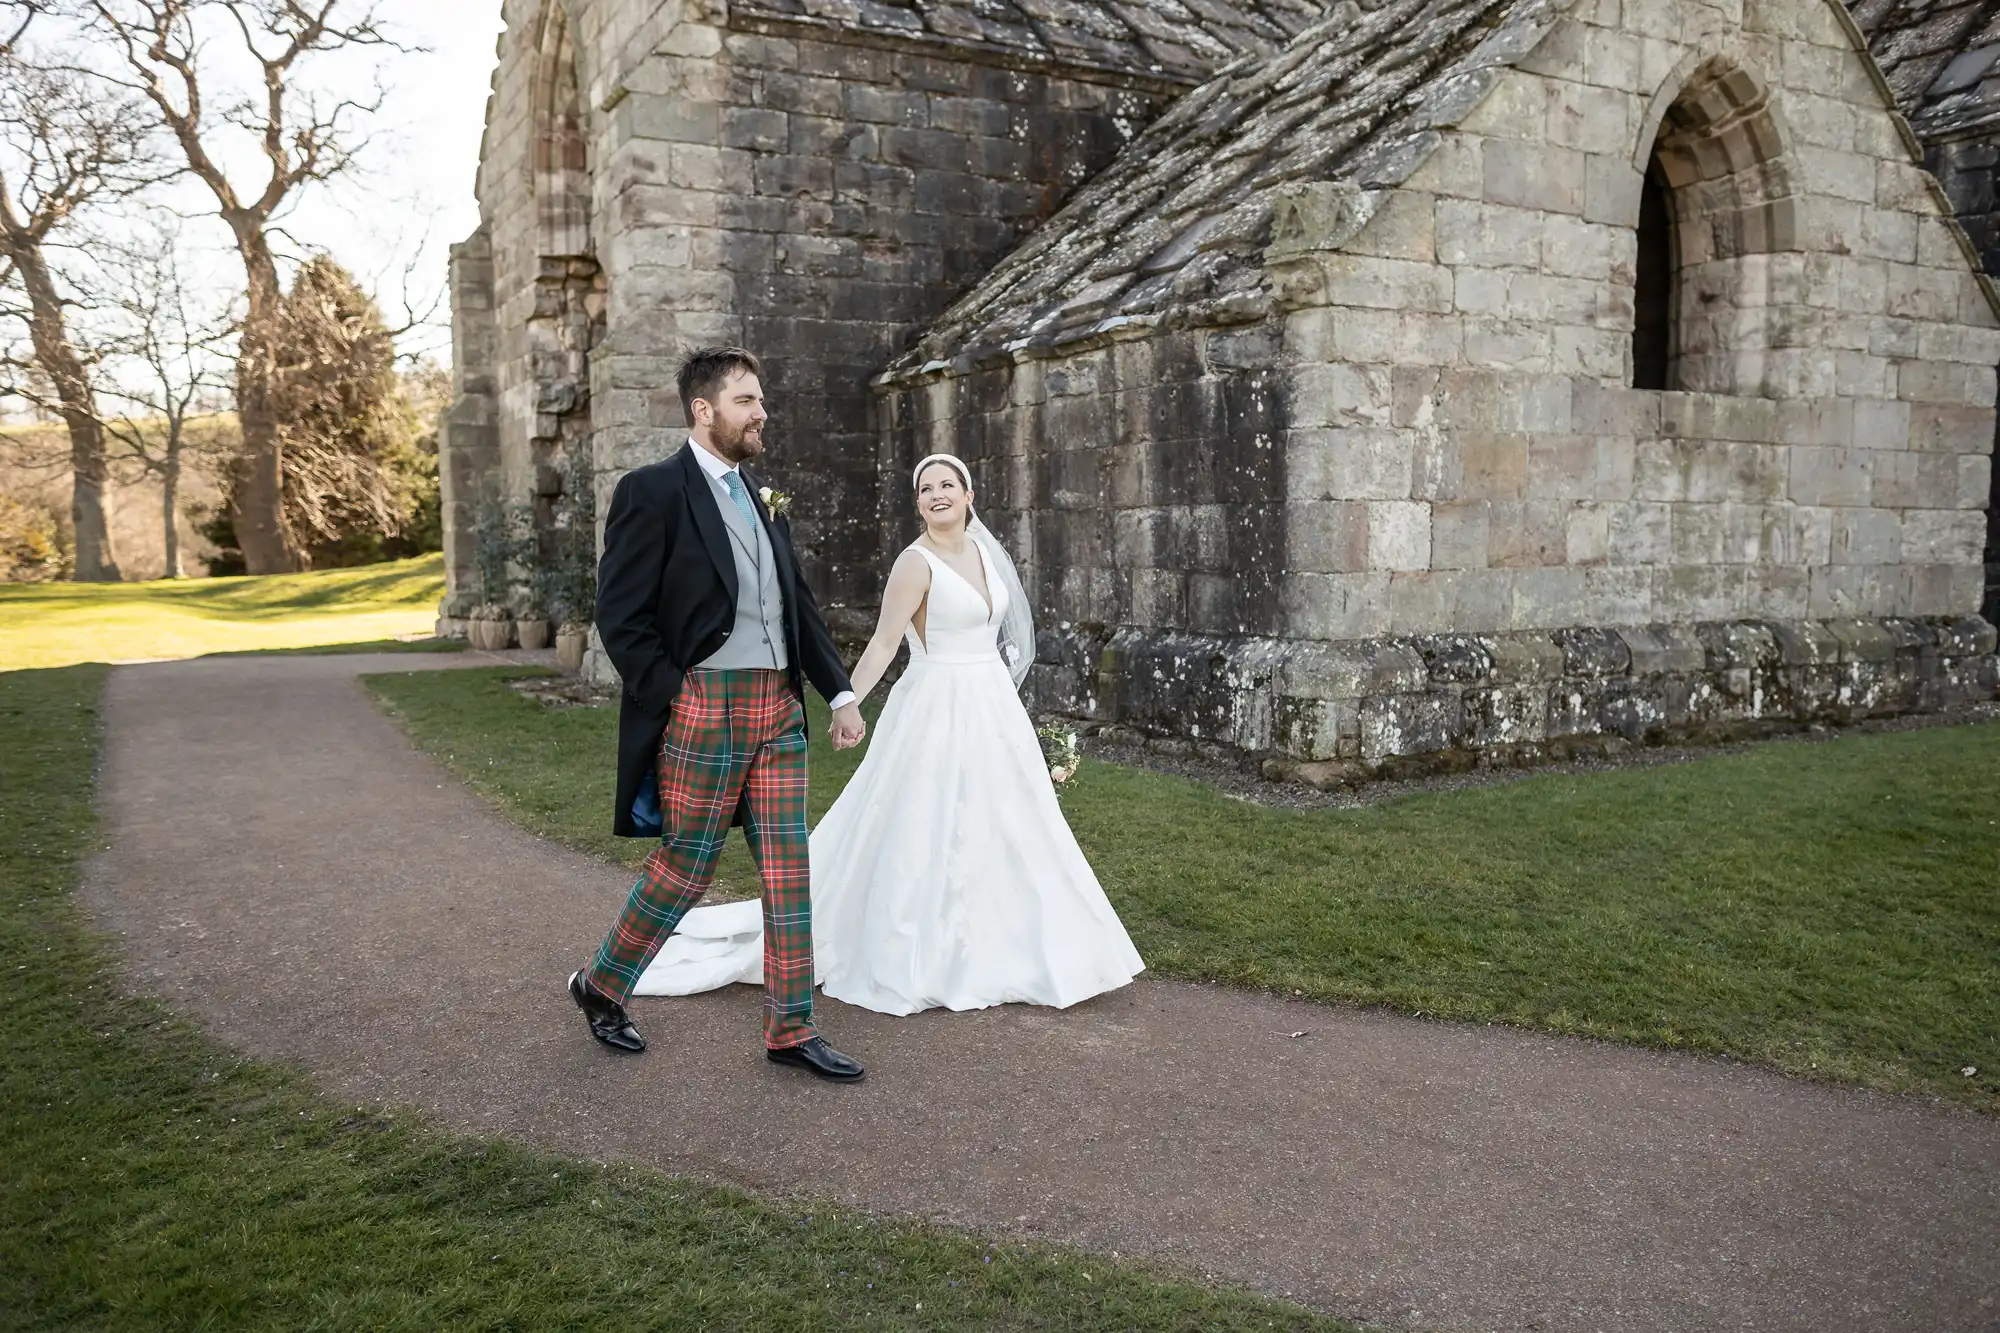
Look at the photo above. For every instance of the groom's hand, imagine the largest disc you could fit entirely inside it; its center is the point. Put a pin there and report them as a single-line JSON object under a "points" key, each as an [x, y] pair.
{"points": [[848, 728]]}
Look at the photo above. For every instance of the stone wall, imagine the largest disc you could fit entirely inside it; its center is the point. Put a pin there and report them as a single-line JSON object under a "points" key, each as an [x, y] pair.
{"points": [[1332, 713], [1138, 483], [1968, 167], [1940, 62], [528, 300], [1464, 357], [469, 444], [1439, 438], [879, 187], [1969, 170], [793, 188]]}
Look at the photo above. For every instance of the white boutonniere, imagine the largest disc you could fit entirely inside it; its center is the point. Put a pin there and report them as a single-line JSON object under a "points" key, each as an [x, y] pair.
{"points": [[778, 502]]}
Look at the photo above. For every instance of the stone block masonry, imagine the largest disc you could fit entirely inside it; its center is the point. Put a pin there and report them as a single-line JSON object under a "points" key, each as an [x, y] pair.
{"points": [[469, 452], [815, 182], [1274, 412], [1354, 381], [1966, 160], [1137, 483], [1396, 707], [896, 183], [1938, 62]]}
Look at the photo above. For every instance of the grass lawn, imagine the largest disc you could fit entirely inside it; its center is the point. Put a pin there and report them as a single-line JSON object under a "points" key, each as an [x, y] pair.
{"points": [[1831, 909], [149, 1179], [58, 624]]}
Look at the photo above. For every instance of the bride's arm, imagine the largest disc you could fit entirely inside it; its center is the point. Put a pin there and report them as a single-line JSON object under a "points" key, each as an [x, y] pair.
{"points": [[908, 582]]}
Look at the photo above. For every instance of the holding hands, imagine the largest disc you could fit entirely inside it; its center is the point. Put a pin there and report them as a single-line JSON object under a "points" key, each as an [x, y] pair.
{"points": [[847, 729]]}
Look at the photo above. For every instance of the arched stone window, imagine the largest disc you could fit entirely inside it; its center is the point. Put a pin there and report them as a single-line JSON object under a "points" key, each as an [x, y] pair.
{"points": [[1717, 199], [1653, 289]]}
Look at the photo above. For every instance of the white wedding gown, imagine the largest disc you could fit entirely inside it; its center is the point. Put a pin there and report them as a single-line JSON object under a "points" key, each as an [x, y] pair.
{"points": [[945, 874]]}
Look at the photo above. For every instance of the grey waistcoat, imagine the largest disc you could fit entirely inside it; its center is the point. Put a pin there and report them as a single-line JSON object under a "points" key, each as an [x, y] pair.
{"points": [[757, 639]]}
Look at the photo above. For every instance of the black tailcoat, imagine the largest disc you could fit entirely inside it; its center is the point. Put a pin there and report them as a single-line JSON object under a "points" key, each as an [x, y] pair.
{"points": [[666, 600]]}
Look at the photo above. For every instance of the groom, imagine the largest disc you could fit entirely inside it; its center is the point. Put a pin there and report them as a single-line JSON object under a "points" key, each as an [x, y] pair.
{"points": [[704, 613]]}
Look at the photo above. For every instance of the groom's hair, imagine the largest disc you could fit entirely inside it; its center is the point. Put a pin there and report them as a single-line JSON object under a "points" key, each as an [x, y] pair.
{"points": [[707, 369]]}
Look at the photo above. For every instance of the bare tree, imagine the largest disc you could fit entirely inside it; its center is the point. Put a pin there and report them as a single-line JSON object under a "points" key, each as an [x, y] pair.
{"points": [[16, 16], [167, 351], [303, 138], [64, 146]]}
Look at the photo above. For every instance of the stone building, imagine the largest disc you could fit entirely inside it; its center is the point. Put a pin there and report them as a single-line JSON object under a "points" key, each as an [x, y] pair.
{"points": [[1942, 63], [1359, 384], [815, 178]]}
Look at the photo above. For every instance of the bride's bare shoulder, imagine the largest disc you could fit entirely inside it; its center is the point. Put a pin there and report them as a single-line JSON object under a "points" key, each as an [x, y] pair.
{"points": [[910, 569]]}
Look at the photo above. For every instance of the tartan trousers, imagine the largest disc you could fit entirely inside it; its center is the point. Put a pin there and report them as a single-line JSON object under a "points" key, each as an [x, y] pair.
{"points": [[733, 736]]}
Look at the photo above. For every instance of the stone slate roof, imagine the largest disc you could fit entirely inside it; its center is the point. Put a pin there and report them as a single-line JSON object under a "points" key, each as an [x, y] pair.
{"points": [[1940, 57], [1174, 230], [1179, 42]]}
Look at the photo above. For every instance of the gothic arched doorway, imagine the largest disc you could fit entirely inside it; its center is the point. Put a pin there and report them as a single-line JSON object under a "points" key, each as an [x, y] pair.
{"points": [[567, 322]]}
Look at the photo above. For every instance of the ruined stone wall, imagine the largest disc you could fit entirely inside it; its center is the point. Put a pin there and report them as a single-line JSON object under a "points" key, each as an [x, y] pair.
{"points": [[469, 444], [1465, 358], [1138, 483], [813, 197], [857, 192], [1429, 703], [1447, 448], [528, 293]]}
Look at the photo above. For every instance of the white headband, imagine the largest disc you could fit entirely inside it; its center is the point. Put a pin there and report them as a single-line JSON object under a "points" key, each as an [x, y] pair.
{"points": [[953, 461]]}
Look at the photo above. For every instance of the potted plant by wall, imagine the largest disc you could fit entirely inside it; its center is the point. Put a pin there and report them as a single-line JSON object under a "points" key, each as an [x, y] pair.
{"points": [[491, 626], [572, 642], [532, 629]]}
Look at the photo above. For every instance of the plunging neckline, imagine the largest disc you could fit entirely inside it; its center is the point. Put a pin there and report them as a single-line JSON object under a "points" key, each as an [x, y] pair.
{"points": [[985, 573]]}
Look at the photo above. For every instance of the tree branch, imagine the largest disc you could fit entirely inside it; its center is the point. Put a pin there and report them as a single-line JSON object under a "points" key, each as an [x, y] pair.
{"points": [[21, 14]]}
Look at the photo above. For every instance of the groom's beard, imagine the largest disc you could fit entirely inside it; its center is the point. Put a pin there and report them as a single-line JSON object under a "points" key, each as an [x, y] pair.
{"points": [[740, 446]]}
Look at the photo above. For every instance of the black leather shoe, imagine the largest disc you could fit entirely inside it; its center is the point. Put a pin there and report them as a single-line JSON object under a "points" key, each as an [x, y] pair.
{"points": [[819, 1059], [606, 1016]]}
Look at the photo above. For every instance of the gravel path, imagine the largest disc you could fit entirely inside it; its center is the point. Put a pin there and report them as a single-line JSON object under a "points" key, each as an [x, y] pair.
{"points": [[283, 864]]}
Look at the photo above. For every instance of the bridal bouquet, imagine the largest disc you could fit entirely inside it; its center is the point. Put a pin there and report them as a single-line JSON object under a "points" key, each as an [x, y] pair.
{"points": [[1059, 752]]}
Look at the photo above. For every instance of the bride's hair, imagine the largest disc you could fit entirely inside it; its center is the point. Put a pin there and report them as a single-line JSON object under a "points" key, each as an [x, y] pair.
{"points": [[953, 462]]}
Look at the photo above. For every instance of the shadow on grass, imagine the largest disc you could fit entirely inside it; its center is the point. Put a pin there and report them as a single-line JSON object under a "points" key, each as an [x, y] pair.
{"points": [[405, 583]]}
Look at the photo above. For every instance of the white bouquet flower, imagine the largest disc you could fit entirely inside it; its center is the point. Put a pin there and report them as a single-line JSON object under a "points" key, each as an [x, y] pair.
{"points": [[1060, 752]]}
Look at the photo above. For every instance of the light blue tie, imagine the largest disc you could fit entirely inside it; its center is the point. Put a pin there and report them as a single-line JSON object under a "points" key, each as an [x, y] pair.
{"points": [[741, 496]]}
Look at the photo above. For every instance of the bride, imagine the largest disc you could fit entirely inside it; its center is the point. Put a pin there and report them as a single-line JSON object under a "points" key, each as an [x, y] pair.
{"points": [[944, 875]]}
